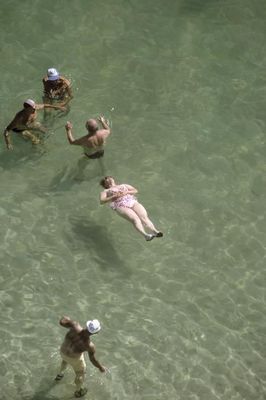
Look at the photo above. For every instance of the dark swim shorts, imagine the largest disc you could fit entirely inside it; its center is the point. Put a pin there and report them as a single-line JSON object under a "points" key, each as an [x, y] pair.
{"points": [[18, 130], [98, 154]]}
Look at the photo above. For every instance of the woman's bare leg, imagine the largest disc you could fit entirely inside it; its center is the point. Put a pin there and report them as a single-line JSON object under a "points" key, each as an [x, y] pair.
{"points": [[142, 214], [132, 217]]}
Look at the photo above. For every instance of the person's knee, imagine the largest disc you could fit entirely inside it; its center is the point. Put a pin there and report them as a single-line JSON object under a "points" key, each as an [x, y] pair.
{"points": [[145, 220]]}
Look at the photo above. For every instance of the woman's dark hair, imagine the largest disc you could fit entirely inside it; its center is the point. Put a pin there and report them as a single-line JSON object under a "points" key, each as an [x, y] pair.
{"points": [[105, 182]]}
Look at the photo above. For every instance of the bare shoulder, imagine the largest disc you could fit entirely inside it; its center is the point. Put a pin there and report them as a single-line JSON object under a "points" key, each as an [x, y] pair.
{"points": [[65, 80], [104, 133], [66, 322], [18, 117]]}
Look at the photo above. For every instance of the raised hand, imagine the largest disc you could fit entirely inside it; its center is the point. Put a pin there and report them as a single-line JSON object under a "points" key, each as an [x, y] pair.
{"points": [[68, 125]]}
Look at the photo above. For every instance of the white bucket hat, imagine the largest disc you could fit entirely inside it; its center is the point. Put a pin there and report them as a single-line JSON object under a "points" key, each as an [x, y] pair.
{"points": [[30, 103], [93, 326], [52, 74]]}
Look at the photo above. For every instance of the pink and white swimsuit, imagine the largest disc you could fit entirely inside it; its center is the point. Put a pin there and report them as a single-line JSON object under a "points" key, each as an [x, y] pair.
{"points": [[128, 200]]}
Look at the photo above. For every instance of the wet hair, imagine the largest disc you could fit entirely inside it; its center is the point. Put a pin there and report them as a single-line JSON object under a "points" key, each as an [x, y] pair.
{"points": [[105, 182]]}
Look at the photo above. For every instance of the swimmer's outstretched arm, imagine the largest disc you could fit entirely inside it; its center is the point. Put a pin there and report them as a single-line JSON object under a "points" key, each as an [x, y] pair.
{"points": [[42, 106]]}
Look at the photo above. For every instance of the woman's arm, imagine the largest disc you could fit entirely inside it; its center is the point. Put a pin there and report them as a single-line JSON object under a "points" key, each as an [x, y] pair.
{"points": [[104, 198], [131, 189]]}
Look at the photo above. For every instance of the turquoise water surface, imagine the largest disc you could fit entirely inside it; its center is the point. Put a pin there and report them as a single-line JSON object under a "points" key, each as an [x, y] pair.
{"points": [[184, 85]]}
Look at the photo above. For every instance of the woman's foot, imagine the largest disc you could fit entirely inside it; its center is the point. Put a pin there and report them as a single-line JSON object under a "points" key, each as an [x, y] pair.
{"points": [[159, 234], [149, 237], [81, 392]]}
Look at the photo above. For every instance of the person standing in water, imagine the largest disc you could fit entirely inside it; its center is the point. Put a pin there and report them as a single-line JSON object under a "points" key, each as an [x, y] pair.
{"points": [[76, 343], [56, 88], [121, 198], [24, 122], [92, 143]]}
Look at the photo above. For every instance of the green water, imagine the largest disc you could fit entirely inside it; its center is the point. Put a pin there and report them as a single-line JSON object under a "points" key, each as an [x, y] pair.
{"points": [[184, 85]]}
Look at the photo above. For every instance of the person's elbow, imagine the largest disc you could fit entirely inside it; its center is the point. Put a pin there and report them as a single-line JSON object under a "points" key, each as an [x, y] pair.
{"points": [[102, 200], [70, 141], [63, 321]]}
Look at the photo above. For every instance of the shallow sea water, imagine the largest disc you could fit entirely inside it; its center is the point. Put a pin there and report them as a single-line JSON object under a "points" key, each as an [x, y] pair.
{"points": [[184, 85]]}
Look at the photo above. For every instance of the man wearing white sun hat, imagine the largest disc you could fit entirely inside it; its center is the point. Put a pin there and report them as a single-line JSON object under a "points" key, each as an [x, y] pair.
{"points": [[76, 342], [56, 88], [24, 122]]}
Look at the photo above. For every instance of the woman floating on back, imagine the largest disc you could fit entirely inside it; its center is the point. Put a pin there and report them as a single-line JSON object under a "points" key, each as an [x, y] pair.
{"points": [[121, 198]]}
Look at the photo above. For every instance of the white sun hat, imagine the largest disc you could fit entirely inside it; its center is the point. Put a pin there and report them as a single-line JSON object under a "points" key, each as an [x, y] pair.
{"points": [[52, 74], [93, 326], [30, 103]]}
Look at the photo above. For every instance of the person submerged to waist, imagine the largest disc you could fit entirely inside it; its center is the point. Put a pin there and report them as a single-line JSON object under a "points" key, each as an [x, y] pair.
{"points": [[93, 142], [90, 151]]}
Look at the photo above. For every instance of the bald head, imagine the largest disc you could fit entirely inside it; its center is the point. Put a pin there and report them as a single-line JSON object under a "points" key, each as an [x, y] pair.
{"points": [[92, 125]]}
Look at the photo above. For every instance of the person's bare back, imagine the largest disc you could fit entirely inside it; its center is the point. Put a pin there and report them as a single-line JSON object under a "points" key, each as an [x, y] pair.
{"points": [[92, 143], [75, 342], [97, 140]]}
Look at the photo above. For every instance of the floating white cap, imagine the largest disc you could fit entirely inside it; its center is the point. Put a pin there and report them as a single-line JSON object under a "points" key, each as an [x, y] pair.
{"points": [[52, 74], [93, 326], [30, 103]]}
